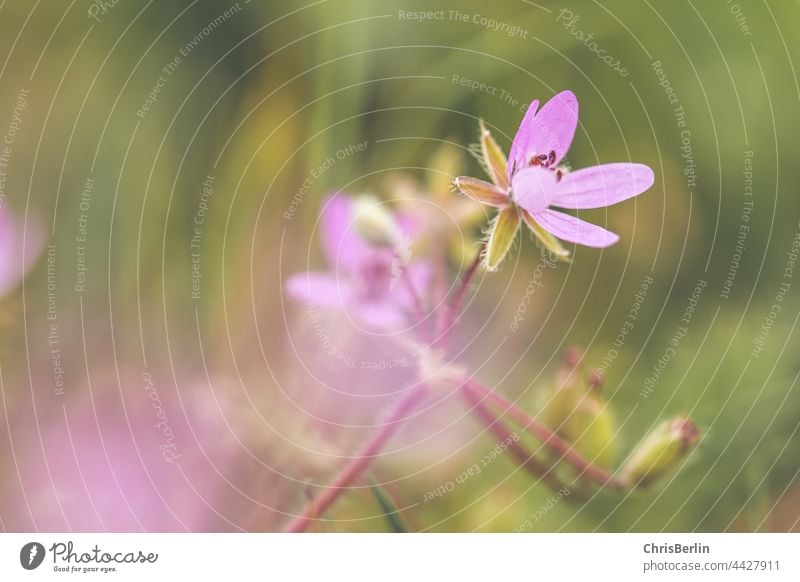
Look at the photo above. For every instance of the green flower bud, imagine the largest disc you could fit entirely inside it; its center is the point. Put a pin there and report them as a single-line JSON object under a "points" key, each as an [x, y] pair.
{"points": [[375, 222], [578, 413], [660, 451], [591, 429]]}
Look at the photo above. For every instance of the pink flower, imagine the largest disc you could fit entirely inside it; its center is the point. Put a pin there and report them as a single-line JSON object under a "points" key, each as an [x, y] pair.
{"points": [[531, 184], [155, 464], [364, 280]]}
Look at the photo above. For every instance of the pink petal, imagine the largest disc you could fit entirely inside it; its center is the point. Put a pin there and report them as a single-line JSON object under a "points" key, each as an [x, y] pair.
{"points": [[343, 246], [408, 223], [383, 315], [575, 230], [604, 185], [420, 276], [516, 156], [323, 289], [534, 188], [550, 129], [554, 126]]}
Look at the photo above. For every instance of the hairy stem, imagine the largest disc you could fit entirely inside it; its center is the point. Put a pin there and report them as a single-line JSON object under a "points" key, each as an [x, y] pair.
{"points": [[548, 438], [359, 463]]}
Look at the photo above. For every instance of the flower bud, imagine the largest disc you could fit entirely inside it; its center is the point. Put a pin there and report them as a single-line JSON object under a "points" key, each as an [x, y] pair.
{"points": [[591, 428], [578, 413], [375, 222], [660, 451]]}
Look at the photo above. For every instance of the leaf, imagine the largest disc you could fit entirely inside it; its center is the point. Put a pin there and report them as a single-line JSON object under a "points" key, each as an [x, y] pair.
{"points": [[390, 512]]}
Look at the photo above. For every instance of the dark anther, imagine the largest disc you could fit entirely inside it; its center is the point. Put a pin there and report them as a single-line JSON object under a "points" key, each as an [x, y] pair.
{"points": [[540, 160]]}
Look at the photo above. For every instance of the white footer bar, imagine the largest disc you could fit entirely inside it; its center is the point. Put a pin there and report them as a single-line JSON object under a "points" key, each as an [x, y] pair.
{"points": [[386, 557]]}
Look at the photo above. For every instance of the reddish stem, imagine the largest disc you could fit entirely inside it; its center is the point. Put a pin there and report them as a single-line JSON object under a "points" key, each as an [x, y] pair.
{"points": [[501, 431], [419, 311], [546, 436], [359, 463], [440, 286], [454, 309]]}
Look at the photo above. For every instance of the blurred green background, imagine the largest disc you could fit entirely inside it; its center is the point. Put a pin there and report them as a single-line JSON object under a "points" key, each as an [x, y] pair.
{"points": [[266, 91]]}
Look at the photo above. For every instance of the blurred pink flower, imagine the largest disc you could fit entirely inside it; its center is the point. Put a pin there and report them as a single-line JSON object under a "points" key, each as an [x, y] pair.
{"points": [[363, 280], [101, 466], [530, 183], [19, 249]]}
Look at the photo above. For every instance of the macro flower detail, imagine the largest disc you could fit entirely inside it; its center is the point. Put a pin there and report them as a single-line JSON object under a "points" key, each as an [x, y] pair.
{"points": [[529, 185], [365, 279], [389, 268]]}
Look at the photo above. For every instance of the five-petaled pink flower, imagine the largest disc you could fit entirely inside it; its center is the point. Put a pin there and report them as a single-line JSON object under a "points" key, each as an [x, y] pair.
{"points": [[531, 184], [364, 280]]}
